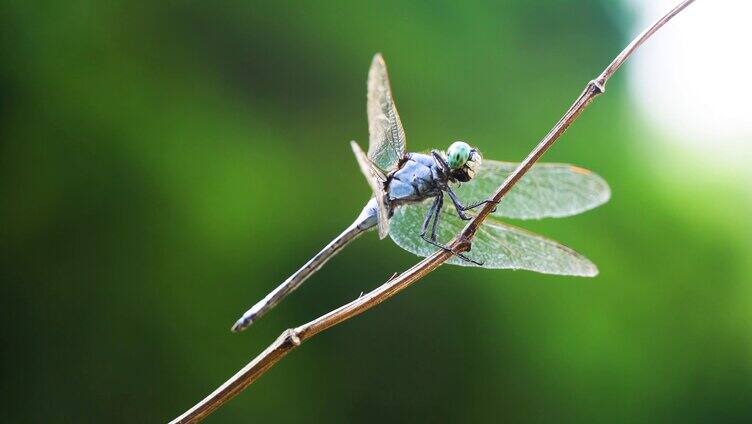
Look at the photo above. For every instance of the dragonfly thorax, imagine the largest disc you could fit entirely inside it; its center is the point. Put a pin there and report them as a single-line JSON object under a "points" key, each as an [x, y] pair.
{"points": [[421, 176], [417, 178]]}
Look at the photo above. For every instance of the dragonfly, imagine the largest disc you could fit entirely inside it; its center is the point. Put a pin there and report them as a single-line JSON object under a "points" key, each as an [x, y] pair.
{"points": [[410, 189]]}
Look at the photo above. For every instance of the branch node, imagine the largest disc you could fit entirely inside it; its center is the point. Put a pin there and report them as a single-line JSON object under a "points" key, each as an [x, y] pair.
{"points": [[291, 336], [463, 245], [597, 86]]}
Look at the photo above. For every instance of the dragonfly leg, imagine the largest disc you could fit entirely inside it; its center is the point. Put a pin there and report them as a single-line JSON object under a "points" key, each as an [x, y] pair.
{"points": [[435, 212], [429, 215], [461, 208], [446, 249], [437, 215], [475, 205], [457, 204], [443, 165]]}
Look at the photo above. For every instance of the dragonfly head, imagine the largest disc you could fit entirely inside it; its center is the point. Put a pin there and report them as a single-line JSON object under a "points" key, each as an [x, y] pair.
{"points": [[463, 160]]}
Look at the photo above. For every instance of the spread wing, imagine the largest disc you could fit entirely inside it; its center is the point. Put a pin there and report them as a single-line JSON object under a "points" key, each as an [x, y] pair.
{"points": [[376, 180], [386, 144], [496, 244], [548, 190]]}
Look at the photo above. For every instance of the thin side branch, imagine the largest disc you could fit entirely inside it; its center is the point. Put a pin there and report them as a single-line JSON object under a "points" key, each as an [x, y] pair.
{"points": [[293, 337]]}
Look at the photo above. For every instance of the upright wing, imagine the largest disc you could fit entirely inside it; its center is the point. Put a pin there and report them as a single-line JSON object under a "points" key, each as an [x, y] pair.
{"points": [[376, 180], [496, 245], [548, 190], [386, 144]]}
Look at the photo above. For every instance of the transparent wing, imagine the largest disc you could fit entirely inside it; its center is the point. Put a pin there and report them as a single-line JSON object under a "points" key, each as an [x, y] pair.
{"points": [[496, 244], [376, 180], [386, 144], [548, 190]]}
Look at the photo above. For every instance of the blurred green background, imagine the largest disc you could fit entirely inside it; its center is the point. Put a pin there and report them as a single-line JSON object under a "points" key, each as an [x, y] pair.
{"points": [[165, 164]]}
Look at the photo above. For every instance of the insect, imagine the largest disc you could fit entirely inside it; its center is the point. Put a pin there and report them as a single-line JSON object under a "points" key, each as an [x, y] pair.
{"points": [[409, 193]]}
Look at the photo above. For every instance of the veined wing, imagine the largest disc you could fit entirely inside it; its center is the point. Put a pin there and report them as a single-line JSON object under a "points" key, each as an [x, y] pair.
{"points": [[376, 180], [548, 190], [496, 244], [386, 144]]}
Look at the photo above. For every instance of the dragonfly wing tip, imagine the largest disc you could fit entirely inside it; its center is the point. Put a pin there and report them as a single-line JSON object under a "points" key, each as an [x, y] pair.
{"points": [[591, 271]]}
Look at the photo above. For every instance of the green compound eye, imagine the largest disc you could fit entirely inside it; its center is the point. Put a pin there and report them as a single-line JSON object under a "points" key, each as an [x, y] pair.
{"points": [[457, 154]]}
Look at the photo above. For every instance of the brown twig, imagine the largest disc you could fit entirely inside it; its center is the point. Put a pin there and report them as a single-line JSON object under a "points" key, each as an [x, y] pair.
{"points": [[292, 338]]}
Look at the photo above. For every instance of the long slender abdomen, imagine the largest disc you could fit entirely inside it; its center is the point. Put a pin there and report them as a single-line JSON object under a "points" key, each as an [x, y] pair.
{"points": [[365, 221]]}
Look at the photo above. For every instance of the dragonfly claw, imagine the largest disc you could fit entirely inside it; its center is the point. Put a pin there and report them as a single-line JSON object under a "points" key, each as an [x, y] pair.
{"points": [[446, 249]]}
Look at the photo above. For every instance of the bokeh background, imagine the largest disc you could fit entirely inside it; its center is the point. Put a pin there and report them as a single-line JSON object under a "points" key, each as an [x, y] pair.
{"points": [[164, 164]]}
